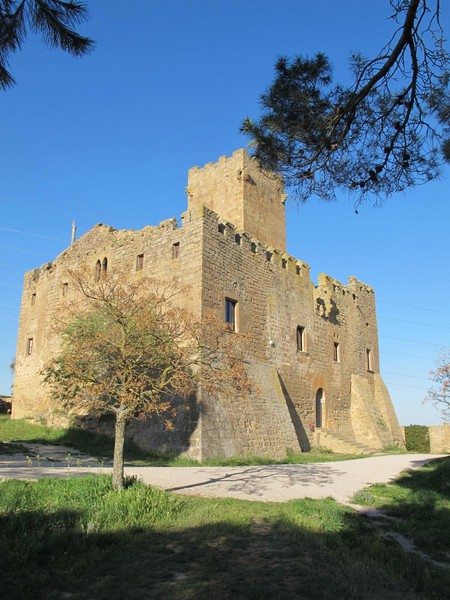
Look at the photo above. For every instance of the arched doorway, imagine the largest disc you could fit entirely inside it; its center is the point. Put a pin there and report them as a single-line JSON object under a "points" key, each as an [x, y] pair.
{"points": [[319, 407]]}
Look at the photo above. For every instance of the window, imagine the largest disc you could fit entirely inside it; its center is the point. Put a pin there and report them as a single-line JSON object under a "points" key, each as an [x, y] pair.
{"points": [[237, 239], [336, 352], [176, 250], [221, 228], [253, 247], [29, 346], [33, 299], [369, 359], [283, 263], [298, 270], [98, 270], [65, 289], [139, 262], [230, 314], [301, 339], [104, 266], [268, 256]]}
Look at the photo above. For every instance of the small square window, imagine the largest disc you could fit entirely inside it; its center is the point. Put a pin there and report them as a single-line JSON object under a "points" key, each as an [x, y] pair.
{"points": [[336, 352], [139, 262], [230, 314], [176, 250], [29, 346], [301, 339]]}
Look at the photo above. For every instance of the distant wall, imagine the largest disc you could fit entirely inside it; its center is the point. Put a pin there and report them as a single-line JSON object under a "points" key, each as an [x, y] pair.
{"points": [[439, 438]]}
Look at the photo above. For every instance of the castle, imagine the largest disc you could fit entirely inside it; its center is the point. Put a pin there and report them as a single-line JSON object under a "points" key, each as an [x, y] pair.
{"points": [[314, 347]]}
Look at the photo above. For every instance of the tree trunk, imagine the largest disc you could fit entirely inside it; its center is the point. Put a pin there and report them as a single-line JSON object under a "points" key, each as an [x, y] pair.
{"points": [[119, 440]]}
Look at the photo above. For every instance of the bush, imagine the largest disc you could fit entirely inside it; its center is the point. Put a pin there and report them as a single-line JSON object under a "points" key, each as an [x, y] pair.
{"points": [[417, 438]]}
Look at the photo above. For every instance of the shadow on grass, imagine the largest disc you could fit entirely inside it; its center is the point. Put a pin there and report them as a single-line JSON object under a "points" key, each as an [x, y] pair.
{"points": [[270, 554], [420, 503]]}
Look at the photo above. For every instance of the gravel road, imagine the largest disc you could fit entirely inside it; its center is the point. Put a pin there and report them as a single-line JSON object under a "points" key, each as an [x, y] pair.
{"points": [[274, 483]]}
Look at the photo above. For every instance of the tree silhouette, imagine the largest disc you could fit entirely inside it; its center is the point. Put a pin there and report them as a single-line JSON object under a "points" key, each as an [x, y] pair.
{"points": [[53, 19], [388, 131]]}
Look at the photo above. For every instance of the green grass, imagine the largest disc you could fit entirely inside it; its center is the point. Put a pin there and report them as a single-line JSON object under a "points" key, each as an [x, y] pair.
{"points": [[22, 431], [419, 502], [78, 539]]}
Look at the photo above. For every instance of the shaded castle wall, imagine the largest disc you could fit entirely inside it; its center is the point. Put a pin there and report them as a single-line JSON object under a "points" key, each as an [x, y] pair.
{"points": [[49, 291]]}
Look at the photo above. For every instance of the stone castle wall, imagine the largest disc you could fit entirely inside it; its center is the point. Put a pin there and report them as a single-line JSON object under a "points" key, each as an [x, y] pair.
{"points": [[244, 261]]}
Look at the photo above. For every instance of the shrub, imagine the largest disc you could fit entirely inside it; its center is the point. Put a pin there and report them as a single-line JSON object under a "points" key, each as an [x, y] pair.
{"points": [[417, 438]]}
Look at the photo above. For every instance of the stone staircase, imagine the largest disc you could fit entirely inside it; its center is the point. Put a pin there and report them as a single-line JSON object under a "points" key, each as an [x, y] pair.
{"points": [[340, 443]]}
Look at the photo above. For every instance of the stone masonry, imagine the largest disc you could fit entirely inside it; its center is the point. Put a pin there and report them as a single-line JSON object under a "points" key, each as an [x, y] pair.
{"points": [[314, 347]]}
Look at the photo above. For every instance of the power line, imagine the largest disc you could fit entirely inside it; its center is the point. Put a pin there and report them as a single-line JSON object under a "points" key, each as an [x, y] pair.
{"points": [[45, 237], [442, 312], [415, 387], [405, 375], [414, 322], [420, 342], [407, 355], [25, 251]]}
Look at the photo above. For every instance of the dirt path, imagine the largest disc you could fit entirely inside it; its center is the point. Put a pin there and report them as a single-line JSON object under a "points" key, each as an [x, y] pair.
{"points": [[274, 483]]}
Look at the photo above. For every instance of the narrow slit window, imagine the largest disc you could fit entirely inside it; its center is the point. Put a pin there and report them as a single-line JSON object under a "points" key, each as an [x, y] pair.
{"points": [[301, 338], [104, 266], [29, 346], [269, 256], [253, 247], [284, 263], [176, 250], [33, 299], [230, 314], [221, 228], [65, 289], [237, 239], [139, 262], [336, 352], [369, 359], [298, 270], [98, 270]]}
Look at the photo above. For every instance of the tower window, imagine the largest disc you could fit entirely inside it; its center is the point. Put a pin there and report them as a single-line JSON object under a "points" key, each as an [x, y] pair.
{"points": [[301, 339], [283, 263], [237, 239], [104, 266], [336, 352], [369, 360], [176, 250], [98, 270], [30, 346], [139, 262], [33, 299], [253, 247], [230, 314], [65, 288]]}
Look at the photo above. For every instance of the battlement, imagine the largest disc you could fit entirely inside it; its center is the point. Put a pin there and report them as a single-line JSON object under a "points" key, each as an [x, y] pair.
{"points": [[241, 192]]}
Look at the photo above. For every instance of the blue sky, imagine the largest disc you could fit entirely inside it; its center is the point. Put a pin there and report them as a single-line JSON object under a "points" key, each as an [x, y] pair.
{"points": [[109, 138]]}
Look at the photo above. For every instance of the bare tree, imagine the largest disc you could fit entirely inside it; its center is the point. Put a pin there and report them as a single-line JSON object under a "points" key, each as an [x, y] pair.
{"points": [[439, 394], [130, 350], [54, 19], [388, 131]]}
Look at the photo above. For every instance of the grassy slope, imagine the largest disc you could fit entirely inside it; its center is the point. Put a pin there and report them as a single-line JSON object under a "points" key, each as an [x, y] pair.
{"points": [[79, 539]]}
